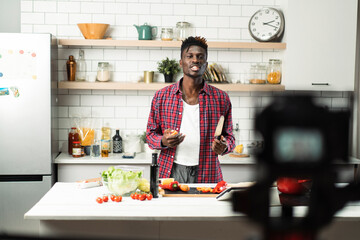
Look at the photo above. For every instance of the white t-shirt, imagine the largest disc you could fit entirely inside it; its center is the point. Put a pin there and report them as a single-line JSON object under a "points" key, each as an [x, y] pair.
{"points": [[187, 152]]}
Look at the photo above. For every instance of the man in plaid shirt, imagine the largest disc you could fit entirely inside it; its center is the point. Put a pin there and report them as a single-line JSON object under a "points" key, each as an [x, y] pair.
{"points": [[183, 119]]}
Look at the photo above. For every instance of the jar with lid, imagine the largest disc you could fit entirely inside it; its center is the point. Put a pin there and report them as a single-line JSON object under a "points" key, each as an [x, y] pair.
{"points": [[73, 136], [274, 71], [257, 74], [167, 34], [182, 30], [103, 72], [76, 150]]}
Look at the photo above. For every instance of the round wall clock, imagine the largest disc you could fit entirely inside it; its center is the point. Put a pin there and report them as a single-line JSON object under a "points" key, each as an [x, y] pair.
{"points": [[267, 25]]}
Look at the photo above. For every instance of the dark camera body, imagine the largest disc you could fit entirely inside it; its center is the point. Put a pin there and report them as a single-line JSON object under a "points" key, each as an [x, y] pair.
{"points": [[301, 140]]}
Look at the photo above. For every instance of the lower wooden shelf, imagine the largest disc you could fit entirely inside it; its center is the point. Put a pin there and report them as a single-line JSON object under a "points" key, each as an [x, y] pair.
{"points": [[231, 87]]}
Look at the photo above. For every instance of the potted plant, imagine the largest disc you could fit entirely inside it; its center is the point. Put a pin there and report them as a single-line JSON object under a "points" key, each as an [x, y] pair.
{"points": [[169, 68]]}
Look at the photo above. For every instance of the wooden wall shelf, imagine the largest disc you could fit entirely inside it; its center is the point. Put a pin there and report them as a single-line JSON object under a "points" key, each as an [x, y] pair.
{"points": [[166, 44], [237, 87]]}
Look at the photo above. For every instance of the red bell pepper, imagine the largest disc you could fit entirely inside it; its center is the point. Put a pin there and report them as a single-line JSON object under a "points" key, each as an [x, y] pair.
{"points": [[173, 186], [220, 186]]}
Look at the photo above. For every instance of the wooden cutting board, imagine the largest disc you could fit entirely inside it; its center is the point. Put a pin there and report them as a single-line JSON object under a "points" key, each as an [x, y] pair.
{"points": [[195, 193], [191, 193], [239, 155]]}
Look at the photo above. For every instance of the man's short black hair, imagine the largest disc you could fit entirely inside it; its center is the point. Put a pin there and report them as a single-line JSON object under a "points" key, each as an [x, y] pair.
{"points": [[190, 41]]}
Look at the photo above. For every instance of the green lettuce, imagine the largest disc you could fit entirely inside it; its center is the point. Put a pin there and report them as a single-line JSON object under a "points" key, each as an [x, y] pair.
{"points": [[121, 181]]}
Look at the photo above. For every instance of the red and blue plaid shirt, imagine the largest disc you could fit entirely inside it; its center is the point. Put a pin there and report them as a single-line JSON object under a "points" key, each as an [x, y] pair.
{"points": [[166, 112]]}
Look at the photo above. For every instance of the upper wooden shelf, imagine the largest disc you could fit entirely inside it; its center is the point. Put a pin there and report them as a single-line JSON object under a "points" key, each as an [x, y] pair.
{"points": [[233, 87], [166, 44]]}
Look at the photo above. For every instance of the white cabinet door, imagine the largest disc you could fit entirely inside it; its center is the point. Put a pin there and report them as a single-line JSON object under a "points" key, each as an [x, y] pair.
{"points": [[321, 45]]}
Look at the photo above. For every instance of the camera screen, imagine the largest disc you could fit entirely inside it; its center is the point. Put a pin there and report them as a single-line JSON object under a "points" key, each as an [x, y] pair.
{"points": [[298, 145]]}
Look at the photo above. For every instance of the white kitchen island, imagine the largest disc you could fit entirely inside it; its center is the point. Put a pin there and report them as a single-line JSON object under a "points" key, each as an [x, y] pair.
{"points": [[68, 211]]}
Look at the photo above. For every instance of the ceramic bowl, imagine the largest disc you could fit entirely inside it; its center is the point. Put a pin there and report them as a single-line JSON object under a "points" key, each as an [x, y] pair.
{"points": [[93, 30]]}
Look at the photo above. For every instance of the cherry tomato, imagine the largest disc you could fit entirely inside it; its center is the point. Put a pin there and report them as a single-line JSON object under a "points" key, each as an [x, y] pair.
{"points": [[132, 195], [99, 200], [112, 197], [142, 197], [118, 198], [105, 198], [149, 196], [137, 196]]}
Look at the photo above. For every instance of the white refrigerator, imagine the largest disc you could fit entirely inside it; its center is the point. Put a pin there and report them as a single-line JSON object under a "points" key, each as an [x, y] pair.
{"points": [[27, 116]]}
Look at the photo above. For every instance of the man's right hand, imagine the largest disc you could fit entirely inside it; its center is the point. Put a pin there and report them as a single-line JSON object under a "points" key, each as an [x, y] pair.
{"points": [[171, 139]]}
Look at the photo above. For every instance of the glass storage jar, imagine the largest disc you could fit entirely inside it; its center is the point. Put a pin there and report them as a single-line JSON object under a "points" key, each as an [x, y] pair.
{"points": [[103, 72], [182, 30], [258, 74], [274, 71], [167, 34]]}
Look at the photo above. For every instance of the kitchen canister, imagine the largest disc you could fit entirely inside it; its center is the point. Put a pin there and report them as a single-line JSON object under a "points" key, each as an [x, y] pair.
{"points": [[103, 72], [148, 76], [167, 34], [274, 71], [182, 30]]}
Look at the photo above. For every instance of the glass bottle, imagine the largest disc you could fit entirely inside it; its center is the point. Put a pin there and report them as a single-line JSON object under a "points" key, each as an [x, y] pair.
{"points": [[105, 146], [182, 30], [167, 34], [106, 136], [274, 71], [73, 136], [95, 148], [117, 142], [103, 73], [154, 176], [71, 68], [81, 67]]}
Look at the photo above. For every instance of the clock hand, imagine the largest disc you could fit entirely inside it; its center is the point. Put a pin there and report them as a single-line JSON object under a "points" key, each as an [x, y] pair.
{"points": [[265, 23], [270, 25]]}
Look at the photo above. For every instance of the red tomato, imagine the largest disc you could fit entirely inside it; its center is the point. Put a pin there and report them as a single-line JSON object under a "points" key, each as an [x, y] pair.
{"points": [[142, 197], [112, 197], [132, 195], [99, 200], [289, 185], [118, 198], [137, 196], [149, 196], [105, 198]]}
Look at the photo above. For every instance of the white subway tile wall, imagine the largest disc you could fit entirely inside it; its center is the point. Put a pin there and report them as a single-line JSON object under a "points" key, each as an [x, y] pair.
{"points": [[225, 20]]}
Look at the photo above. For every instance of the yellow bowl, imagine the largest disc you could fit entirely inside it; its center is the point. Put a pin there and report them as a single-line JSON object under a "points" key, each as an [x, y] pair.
{"points": [[93, 30]]}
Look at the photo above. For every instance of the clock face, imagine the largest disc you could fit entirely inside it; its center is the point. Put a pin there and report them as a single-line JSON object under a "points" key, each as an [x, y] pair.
{"points": [[267, 24]]}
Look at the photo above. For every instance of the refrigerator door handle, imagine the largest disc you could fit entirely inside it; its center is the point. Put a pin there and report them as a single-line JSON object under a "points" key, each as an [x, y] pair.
{"points": [[21, 178]]}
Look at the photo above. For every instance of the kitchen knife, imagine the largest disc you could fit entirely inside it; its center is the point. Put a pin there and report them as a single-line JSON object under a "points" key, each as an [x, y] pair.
{"points": [[219, 128]]}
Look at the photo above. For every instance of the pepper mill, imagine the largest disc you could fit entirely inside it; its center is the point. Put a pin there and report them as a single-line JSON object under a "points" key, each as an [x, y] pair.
{"points": [[71, 68]]}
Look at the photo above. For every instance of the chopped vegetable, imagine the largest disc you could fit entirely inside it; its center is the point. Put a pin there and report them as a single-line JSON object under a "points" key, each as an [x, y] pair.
{"points": [[184, 187], [220, 186]]}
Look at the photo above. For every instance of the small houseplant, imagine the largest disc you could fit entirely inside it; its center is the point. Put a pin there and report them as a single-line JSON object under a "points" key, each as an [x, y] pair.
{"points": [[169, 68]]}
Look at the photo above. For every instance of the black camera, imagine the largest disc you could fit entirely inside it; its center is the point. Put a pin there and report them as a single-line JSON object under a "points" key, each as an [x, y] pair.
{"points": [[301, 140]]}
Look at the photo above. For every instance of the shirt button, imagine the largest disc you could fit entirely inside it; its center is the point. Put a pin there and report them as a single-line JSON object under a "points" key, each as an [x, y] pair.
{"points": [[168, 171], [180, 113], [172, 156], [177, 129]]}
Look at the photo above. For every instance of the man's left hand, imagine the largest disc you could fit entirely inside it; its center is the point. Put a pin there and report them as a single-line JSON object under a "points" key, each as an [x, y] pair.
{"points": [[219, 146]]}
